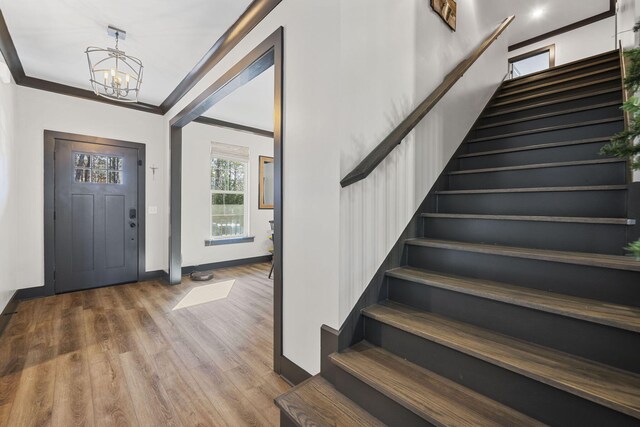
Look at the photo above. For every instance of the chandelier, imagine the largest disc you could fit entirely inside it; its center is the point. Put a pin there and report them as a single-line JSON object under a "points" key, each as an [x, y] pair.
{"points": [[113, 74]]}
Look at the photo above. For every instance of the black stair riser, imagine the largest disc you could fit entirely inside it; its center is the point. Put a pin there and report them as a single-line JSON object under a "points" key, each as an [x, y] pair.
{"points": [[577, 117], [563, 176], [616, 96], [525, 82], [560, 236], [560, 135], [508, 93], [585, 339], [374, 402], [551, 95], [616, 286], [603, 204], [565, 153], [536, 399]]}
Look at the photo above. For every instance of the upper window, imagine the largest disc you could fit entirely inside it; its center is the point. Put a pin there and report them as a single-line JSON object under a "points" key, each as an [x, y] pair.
{"points": [[532, 62], [229, 195]]}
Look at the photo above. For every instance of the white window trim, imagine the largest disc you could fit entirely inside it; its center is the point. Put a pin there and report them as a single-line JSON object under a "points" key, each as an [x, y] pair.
{"points": [[246, 193]]}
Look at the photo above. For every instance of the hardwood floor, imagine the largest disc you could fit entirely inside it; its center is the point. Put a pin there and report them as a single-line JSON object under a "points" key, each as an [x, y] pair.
{"points": [[120, 356]]}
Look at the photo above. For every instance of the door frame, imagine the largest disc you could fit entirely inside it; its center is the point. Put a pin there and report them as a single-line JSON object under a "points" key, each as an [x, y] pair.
{"points": [[269, 52], [50, 138]]}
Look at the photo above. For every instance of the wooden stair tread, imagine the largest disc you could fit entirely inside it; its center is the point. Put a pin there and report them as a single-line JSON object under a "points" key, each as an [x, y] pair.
{"points": [[615, 315], [539, 166], [434, 398], [569, 98], [537, 190], [555, 91], [610, 387], [567, 219], [549, 129], [547, 115], [579, 258], [579, 64], [535, 147], [316, 402], [557, 81]]}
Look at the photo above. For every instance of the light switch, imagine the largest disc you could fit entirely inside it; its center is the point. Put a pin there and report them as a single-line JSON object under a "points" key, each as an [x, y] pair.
{"points": [[153, 210]]}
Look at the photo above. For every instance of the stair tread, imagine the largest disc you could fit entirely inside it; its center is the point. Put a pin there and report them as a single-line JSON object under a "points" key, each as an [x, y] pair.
{"points": [[579, 258], [553, 101], [559, 81], [611, 387], [316, 402], [535, 147], [537, 190], [547, 115], [539, 166], [434, 398], [556, 91], [549, 129], [604, 313], [533, 218], [613, 55]]}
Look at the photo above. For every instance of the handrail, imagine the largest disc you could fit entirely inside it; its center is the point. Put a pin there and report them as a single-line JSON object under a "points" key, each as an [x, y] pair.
{"points": [[625, 92], [396, 136]]}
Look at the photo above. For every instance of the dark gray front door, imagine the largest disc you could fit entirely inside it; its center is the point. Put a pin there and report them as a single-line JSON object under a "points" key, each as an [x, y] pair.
{"points": [[96, 215]]}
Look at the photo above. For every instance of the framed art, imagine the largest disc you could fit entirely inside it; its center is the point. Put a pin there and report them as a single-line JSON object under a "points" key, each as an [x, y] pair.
{"points": [[447, 9]]}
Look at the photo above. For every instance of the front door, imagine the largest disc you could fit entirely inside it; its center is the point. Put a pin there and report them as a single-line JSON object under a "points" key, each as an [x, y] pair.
{"points": [[96, 215]]}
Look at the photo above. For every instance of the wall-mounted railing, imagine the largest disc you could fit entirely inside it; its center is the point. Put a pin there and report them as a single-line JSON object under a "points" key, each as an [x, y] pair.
{"points": [[396, 136]]}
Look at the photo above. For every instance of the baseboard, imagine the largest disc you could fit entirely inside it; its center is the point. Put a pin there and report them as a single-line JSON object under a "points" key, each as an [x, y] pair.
{"points": [[226, 264], [8, 311], [292, 373], [152, 275]]}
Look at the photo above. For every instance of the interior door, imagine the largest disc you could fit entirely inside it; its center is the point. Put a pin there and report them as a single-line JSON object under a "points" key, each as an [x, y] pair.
{"points": [[96, 215]]}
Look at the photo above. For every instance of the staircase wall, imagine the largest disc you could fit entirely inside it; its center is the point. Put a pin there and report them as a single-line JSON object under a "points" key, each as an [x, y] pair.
{"points": [[374, 212]]}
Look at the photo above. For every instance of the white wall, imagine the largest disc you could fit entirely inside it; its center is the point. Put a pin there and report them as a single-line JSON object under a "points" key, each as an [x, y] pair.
{"points": [[38, 110], [8, 189], [375, 211], [196, 195], [352, 70], [580, 43]]}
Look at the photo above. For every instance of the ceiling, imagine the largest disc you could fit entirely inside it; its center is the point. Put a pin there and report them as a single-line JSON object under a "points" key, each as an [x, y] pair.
{"points": [[169, 36], [250, 105], [555, 14]]}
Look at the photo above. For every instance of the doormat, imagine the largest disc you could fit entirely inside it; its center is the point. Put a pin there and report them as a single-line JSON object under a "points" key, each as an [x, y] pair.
{"points": [[206, 293]]}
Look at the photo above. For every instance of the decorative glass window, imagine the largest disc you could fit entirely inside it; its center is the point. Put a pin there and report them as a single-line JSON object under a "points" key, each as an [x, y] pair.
{"points": [[97, 168]]}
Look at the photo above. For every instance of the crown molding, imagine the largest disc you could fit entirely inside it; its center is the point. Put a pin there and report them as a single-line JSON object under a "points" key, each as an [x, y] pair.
{"points": [[595, 18], [251, 17]]}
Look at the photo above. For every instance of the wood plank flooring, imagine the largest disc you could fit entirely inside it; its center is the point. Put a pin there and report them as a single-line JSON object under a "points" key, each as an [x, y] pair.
{"points": [[120, 356]]}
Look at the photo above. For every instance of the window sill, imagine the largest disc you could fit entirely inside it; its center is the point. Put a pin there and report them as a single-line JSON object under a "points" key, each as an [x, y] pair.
{"points": [[228, 241]]}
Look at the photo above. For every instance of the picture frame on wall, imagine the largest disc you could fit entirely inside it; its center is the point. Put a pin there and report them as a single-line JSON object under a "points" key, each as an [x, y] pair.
{"points": [[447, 9], [266, 185]]}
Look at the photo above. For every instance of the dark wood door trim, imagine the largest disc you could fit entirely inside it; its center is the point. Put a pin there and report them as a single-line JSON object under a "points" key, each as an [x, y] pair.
{"points": [[50, 138], [242, 128], [579, 24], [268, 53]]}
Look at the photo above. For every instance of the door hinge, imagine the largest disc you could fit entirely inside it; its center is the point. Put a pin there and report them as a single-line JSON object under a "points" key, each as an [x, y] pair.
{"points": [[54, 215], [139, 162]]}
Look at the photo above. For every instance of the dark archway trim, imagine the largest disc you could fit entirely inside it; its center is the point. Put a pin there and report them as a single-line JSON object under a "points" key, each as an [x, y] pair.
{"points": [[268, 53]]}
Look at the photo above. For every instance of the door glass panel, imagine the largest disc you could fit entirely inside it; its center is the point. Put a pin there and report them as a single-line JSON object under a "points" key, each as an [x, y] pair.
{"points": [[98, 169]]}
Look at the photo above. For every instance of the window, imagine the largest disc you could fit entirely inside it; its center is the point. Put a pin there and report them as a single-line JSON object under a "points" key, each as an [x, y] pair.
{"points": [[229, 210], [532, 62], [97, 169]]}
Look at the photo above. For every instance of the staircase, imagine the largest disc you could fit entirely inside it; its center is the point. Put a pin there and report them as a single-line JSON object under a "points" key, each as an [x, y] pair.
{"points": [[516, 307]]}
